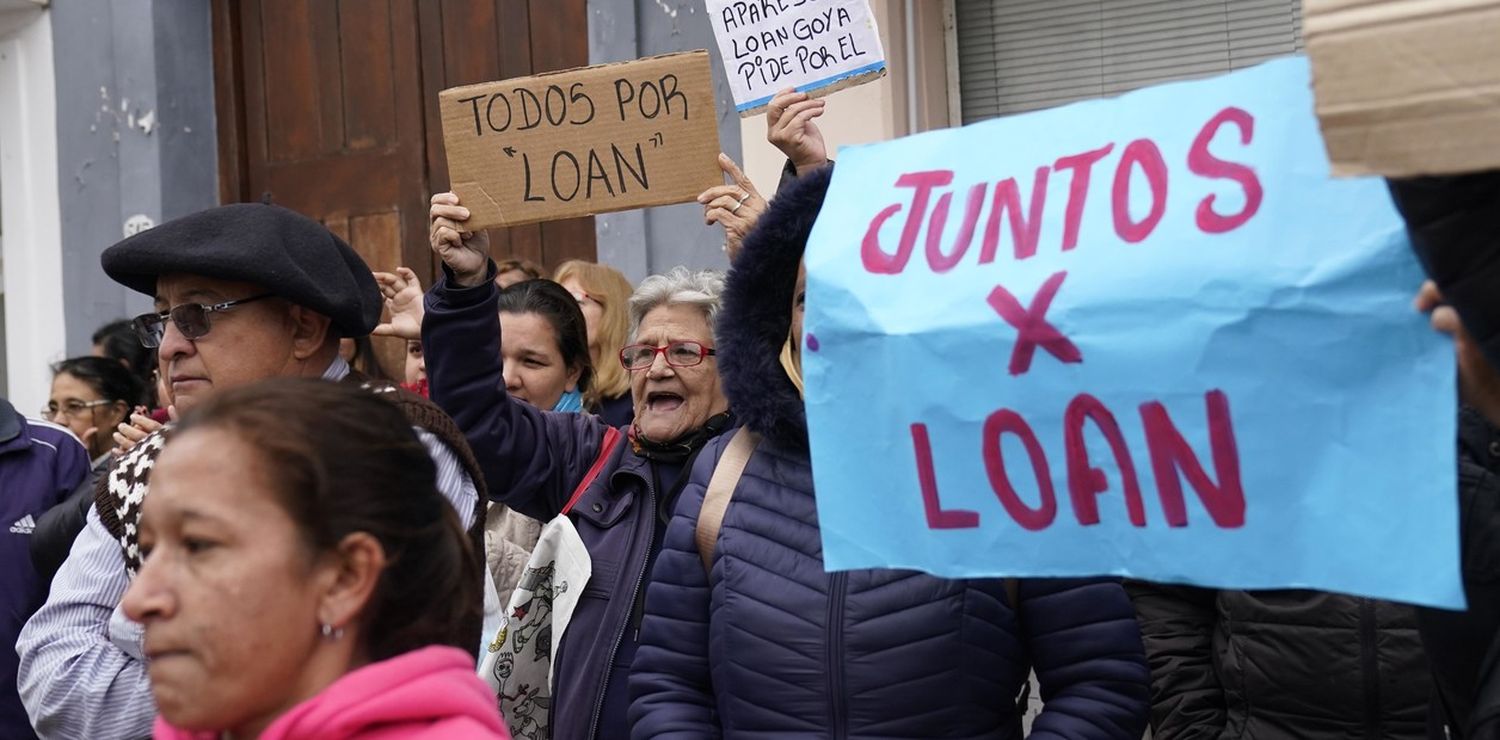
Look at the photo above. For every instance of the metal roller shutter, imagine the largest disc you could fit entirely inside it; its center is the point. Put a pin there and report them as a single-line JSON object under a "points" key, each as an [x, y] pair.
{"points": [[1020, 55]]}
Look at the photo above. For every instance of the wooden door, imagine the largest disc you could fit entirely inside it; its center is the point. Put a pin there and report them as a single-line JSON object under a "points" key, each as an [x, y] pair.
{"points": [[469, 41], [329, 107], [330, 119]]}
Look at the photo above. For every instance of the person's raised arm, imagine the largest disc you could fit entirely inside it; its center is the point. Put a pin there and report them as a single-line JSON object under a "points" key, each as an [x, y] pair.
{"points": [[465, 253], [790, 128], [531, 459]]}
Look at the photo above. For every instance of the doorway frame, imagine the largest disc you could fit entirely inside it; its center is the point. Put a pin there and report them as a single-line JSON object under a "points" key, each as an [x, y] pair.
{"points": [[30, 210]]}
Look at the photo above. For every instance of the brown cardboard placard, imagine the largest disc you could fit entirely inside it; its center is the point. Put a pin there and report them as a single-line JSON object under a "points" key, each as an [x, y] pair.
{"points": [[1406, 87], [577, 142]]}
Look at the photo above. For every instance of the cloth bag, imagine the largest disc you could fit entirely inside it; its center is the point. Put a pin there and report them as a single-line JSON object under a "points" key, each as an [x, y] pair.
{"points": [[518, 663]]}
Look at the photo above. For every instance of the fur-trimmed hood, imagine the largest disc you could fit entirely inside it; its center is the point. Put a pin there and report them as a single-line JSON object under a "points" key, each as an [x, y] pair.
{"points": [[756, 314]]}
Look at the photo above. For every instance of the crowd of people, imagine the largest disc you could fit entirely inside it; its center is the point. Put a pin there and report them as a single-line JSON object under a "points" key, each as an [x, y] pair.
{"points": [[329, 551]]}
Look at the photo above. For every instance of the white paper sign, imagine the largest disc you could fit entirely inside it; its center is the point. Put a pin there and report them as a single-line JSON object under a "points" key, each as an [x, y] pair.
{"points": [[816, 46]]}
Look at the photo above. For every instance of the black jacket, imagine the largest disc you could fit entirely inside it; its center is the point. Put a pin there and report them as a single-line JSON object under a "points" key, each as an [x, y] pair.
{"points": [[1463, 646], [1454, 223], [56, 529], [1263, 665]]}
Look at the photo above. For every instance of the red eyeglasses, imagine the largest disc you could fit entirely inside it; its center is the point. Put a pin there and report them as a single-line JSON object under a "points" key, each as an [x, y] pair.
{"points": [[678, 354]]}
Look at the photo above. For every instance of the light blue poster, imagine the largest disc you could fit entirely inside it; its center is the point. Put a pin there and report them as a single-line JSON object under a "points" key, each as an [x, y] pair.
{"points": [[1147, 337]]}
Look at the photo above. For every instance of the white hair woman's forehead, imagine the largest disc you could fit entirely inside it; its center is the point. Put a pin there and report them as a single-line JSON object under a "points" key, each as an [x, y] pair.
{"points": [[681, 286]]}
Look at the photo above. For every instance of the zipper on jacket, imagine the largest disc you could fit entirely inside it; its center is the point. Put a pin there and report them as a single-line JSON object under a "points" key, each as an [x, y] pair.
{"points": [[635, 593], [836, 592], [1371, 664]]}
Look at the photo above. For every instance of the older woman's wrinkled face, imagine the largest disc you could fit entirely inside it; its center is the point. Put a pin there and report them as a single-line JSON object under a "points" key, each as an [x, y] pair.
{"points": [[229, 594], [672, 401]]}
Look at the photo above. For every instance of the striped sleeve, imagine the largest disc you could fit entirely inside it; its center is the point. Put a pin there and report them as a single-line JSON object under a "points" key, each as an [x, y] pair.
{"points": [[459, 489], [75, 679], [452, 481]]}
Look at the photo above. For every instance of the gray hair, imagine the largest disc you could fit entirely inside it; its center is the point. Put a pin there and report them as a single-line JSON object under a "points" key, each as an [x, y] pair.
{"points": [[680, 287]]}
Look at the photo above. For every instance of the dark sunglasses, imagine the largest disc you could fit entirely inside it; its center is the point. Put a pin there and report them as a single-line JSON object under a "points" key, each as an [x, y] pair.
{"points": [[191, 319]]}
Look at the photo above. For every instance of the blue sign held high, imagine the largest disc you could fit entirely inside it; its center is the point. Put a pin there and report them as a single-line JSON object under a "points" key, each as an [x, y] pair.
{"points": [[1146, 336]]}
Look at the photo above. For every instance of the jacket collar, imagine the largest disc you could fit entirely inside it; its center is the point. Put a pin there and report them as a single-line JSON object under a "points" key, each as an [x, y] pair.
{"points": [[632, 464], [13, 434]]}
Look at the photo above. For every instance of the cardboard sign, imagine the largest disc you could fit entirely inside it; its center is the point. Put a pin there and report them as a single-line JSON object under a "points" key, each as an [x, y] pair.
{"points": [[816, 46], [1407, 87], [583, 141], [1149, 336]]}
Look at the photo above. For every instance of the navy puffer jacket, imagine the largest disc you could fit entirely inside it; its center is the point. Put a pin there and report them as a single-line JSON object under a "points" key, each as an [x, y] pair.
{"points": [[771, 645]]}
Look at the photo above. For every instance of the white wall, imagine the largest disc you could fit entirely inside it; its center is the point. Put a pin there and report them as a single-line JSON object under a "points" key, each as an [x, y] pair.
{"points": [[29, 214], [857, 115]]}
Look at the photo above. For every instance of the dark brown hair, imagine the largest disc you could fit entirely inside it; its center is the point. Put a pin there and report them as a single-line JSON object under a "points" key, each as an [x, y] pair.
{"points": [[343, 461], [554, 303], [109, 378]]}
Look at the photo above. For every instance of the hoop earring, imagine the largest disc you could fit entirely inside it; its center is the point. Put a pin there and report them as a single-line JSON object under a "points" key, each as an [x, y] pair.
{"points": [[331, 633]]}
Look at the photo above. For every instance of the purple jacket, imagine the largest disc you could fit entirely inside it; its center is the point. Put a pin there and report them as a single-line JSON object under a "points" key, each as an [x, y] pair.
{"points": [[532, 462], [40, 464]]}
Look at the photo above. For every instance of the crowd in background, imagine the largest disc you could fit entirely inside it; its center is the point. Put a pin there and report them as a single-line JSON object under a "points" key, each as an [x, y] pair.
{"points": [[330, 547]]}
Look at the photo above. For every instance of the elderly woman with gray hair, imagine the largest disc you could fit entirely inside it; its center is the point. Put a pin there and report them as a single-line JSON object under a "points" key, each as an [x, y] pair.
{"points": [[618, 486]]}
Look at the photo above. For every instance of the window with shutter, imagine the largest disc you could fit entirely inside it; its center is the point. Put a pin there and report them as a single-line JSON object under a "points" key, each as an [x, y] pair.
{"points": [[1021, 55]]}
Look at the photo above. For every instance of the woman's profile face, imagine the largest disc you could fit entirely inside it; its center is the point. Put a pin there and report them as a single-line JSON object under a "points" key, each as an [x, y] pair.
{"points": [[532, 361], [229, 594]]}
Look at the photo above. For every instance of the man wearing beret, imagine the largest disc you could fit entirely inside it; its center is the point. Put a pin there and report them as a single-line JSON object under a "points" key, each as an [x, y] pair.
{"points": [[243, 293]]}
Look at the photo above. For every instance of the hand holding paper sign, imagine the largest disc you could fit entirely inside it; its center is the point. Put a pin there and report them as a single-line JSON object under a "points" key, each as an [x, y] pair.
{"points": [[1478, 381], [576, 142], [737, 207], [465, 252], [790, 128]]}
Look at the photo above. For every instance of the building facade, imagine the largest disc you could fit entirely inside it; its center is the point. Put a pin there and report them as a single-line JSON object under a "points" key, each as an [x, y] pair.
{"points": [[116, 115]]}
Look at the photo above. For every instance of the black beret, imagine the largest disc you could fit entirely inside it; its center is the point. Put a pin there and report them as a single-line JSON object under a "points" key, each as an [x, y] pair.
{"points": [[289, 254]]}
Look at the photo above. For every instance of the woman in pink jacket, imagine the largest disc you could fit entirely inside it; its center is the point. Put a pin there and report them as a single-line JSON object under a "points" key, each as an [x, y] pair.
{"points": [[303, 577]]}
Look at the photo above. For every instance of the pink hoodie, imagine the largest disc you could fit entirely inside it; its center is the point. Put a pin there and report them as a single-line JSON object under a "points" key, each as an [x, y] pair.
{"points": [[428, 693]]}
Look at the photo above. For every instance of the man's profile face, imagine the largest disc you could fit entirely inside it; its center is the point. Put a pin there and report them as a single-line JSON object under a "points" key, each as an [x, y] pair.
{"points": [[244, 344]]}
